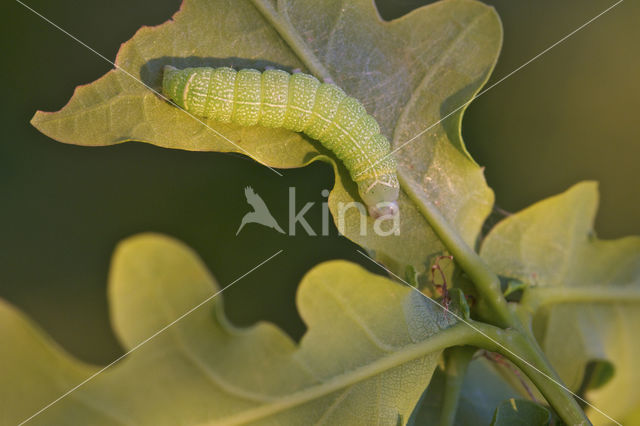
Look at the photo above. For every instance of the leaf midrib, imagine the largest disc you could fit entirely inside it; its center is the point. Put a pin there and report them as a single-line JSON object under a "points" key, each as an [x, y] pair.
{"points": [[457, 334], [597, 294]]}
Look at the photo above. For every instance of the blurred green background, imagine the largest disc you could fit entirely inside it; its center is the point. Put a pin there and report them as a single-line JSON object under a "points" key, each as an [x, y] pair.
{"points": [[569, 116]]}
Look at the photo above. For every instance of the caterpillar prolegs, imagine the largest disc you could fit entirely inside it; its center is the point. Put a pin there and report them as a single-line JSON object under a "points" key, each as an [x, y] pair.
{"points": [[298, 102]]}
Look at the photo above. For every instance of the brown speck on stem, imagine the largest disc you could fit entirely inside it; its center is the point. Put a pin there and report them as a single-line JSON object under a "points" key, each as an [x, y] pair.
{"points": [[444, 291]]}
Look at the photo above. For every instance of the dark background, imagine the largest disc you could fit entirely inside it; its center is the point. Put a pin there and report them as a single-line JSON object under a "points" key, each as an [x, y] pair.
{"points": [[569, 116]]}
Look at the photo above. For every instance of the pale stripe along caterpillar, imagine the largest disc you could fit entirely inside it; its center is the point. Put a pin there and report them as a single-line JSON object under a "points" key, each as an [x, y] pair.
{"points": [[298, 102]]}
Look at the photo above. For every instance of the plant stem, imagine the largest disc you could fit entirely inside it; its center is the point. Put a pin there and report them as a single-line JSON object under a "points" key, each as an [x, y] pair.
{"points": [[457, 360], [558, 397], [515, 343], [524, 352], [289, 34], [492, 305]]}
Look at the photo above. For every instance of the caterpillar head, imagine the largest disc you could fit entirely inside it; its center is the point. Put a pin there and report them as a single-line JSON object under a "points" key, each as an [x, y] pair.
{"points": [[380, 197], [384, 208]]}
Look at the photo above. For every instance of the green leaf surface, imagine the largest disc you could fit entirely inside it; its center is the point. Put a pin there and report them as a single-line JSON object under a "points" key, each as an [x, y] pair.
{"points": [[584, 294], [359, 362], [410, 73], [519, 412]]}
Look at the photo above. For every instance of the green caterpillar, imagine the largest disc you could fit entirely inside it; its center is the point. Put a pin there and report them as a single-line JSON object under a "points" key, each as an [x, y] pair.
{"points": [[298, 102]]}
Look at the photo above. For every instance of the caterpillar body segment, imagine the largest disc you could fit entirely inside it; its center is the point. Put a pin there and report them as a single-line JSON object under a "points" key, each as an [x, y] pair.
{"points": [[297, 102]]}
